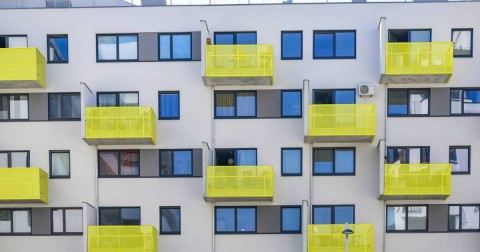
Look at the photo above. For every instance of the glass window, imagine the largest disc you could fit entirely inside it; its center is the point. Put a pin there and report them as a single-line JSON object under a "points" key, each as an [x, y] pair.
{"points": [[15, 159], [291, 219], [230, 104], [460, 159], [339, 214], [408, 155], [334, 44], [339, 161], [406, 218], [334, 96], [169, 105], [119, 216], [64, 106], [13, 41], [464, 217], [59, 164], [15, 221], [117, 47], [13, 107], [462, 42], [176, 163], [291, 103], [57, 48], [235, 220], [408, 102], [406, 35], [291, 45], [124, 163], [229, 157], [471, 101], [235, 38], [291, 161], [246, 221], [67, 221], [175, 46], [170, 220], [117, 99]]}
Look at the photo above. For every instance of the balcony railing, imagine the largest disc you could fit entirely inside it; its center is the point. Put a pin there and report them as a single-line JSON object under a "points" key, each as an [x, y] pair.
{"points": [[230, 183], [122, 238], [428, 181], [120, 125], [22, 68], [329, 238], [23, 185]]}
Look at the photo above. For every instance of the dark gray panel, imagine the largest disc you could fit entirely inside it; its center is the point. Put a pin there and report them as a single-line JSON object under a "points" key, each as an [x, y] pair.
{"points": [[154, 2], [196, 45], [148, 46], [41, 221], [440, 101], [268, 103], [437, 218], [197, 168], [38, 107], [268, 219], [149, 163]]}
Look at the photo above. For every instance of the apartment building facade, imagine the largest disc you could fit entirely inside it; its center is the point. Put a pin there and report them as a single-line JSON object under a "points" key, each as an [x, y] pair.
{"points": [[239, 127]]}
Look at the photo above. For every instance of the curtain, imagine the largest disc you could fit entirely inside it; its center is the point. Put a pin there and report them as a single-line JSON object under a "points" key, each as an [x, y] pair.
{"points": [[61, 164], [246, 157], [128, 99], [246, 103], [129, 163], [169, 105], [224, 104]]}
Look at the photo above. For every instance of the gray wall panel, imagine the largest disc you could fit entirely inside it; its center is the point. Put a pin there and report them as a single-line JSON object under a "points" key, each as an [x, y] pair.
{"points": [[268, 103], [197, 168], [148, 46], [438, 218], [196, 46], [41, 221], [38, 107], [149, 163], [268, 219], [440, 101]]}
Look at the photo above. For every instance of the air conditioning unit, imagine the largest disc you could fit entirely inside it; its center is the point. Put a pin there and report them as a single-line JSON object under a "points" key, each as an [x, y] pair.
{"points": [[366, 90]]}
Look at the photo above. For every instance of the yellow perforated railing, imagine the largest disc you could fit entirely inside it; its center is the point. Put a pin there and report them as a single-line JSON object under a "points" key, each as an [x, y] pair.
{"points": [[122, 238], [329, 238], [417, 179], [419, 58], [22, 64], [239, 181], [341, 120], [120, 123], [239, 61], [23, 185]]}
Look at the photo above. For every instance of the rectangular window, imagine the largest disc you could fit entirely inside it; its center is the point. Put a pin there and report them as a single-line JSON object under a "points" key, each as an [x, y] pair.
{"points": [[57, 48], [64, 106], [291, 217], [462, 43], [115, 47], [14, 158], [334, 161], [15, 221], [334, 44], [236, 157], [291, 161], [464, 218], [118, 163], [409, 35], [235, 220], [119, 216], [169, 105], [175, 46], [117, 99], [336, 214], [292, 103], [176, 163], [459, 157], [408, 155], [407, 218], [59, 164], [235, 104], [14, 107], [170, 220], [465, 101], [13, 41], [67, 221], [292, 45], [235, 38], [402, 102], [334, 96]]}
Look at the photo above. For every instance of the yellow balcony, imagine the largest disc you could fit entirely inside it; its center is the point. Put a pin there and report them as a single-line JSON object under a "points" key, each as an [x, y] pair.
{"points": [[22, 68], [238, 65], [417, 181], [120, 125], [329, 238], [239, 183], [341, 123], [419, 62], [122, 238], [23, 185]]}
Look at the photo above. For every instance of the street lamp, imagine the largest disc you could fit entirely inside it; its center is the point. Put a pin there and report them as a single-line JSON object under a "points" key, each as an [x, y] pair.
{"points": [[347, 231]]}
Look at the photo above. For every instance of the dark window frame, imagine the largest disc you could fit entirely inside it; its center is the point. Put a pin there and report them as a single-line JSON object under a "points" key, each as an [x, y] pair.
{"points": [[117, 97], [11, 222], [462, 112], [64, 221], [235, 153], [62, 94], [9, 157], [234, 34], [160, 105], [117, 35], [9, 115], [173, 162], [299, 231], [49, 36], [120, 208], [334, 33], [179, 220], [234, 92], [333, 91], [281, 103], [119, 164], [332, 211], [469, 149], [409, 31], [301, 162], [406, 219], [407, 149], [170, 34], [50, 166], [408, 102], [460, 230], [471, 42], [334, 173], [301, 45], [235, 219]]}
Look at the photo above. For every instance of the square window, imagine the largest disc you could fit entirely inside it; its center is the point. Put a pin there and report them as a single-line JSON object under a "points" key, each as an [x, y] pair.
{"points": [[334, 214], [235, 104], [59, 164], [291, 161], [334, 96], [291, 219], [334, 44], [64, 106], [408, 155], [123, 163], [465, 101], [292, 45], [15, 221], [170, 220], [14, 159], [57, 48], [115, 47], [175, 46], [235, 38], [407, 218], [464, 218], [462, 43], [119, 216], [224, 220], [333, 161], [176, 163], [460, 159], [13, 107], [235, 220], [67, 221], [117, 99], [169, 105], [292, 103], [408, 102]]}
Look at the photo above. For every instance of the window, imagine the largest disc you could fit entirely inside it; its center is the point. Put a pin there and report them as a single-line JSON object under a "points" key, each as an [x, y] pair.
{"points": [[404, 35], [59, 164], [235, 38], [117, 99], [57, 48], [119, 216], [464, 218], [176, 163], [67, 221], [462, 43], [403, 102], [114, 163], [170, 220], [338, 214], [464, 101], [64, 106], [292, 103], [408, 155], [291, 161], [235, 220], [231, 104], [291, 219], [13, 41], [169, 105], [292, 45], [15, 221], [406, 218], [14, 107], [236, 157], [175, 46], [334, 96], [334, 44], [334, 161], [115, 47], [459, 157], [14, 158]]}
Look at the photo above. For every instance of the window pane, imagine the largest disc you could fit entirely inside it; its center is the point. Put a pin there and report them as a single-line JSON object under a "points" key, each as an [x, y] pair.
{"points": [[292, 45], [246, 157], [322, 161], [54, 106], [107, 48], [396, 218], [459, 159], [71, 106], [57, 216], [224, 104], [21, 221], [108, 163], [291, 219], [110, 217], [19, 159], [462, 43], [170, 220], [182, 46], [182, 162], [419, 155], [4, 107], [127, 46], [322, 215], [344, 161], [246, 220], [417, 218], [345, 44], [455, 101], [344, 214], [454, 217], [166, 168], [397, 156], [18, 107], [397, 102], [225, 219], [73, 220], [224, 39], [130, 165], [246, 104], [292, 162], [131, 216], [58, 49], [128, 99], [60, 164], [471, 101], [323, 96], [5, 221], [291, 103], [107, 100], [344, 96], [420, 36], [470, 217], [4, 160], [246, 38], [17, 42], [418, 102], [323, 45], [169, 106], [164, 41]]}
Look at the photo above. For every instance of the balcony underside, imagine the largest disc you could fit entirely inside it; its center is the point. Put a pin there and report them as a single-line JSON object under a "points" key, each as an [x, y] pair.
{"points": [[118, 141], [232, 199], [413, 197], [414, 78], [22, 201], [20, 84], [338, 139], [238, 81]]}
